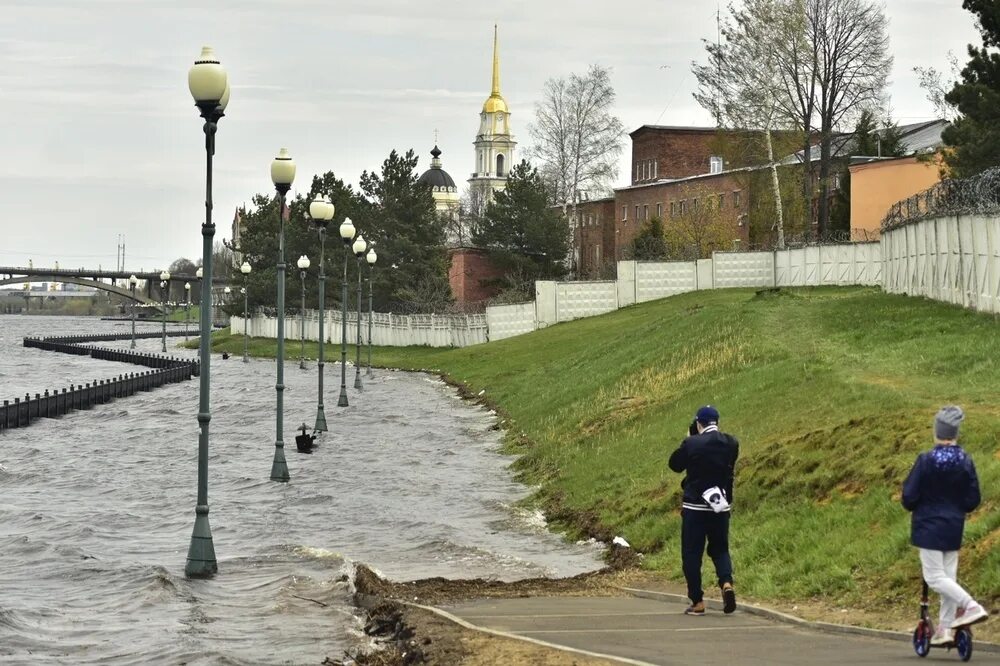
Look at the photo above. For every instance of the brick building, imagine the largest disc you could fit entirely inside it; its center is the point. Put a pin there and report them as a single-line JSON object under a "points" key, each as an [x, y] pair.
{"points": [[675, 176], [469, 269]]}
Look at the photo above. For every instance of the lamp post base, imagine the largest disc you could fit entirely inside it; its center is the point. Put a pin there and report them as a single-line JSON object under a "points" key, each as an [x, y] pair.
{"points": [[279, 468], [357, 380], [320, 420], [132, 346], [245, 359], [302, 364], [369, 373], [201, 553], [342, 400]]}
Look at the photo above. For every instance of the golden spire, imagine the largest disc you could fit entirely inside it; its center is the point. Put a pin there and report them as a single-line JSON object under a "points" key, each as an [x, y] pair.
{"points": [[496, 65], [495, 102]]}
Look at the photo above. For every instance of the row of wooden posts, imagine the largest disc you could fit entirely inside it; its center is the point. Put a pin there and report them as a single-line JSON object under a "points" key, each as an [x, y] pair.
{"points": [[165, 370]]}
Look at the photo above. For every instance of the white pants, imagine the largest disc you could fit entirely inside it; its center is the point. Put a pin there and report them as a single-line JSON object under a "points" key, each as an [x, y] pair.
{"points": [[941, 573]]}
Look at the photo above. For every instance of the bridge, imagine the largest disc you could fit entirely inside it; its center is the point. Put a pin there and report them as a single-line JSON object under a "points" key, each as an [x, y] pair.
{"points": [[103, 280]]}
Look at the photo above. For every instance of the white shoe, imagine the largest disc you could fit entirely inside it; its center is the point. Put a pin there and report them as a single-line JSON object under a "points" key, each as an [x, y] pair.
{"points": [[942, 637], [971, 614]]}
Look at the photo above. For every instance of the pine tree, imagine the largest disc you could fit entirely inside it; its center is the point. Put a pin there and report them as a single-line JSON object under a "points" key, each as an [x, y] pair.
{"points": [[973, 139]]}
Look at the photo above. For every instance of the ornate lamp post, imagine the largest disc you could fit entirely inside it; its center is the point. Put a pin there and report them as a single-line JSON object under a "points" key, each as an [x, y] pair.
{"points": [[371, 258], [227, 291], [282, 175], [321, 211], [303, 264], [346, 235], [164, 288], [209, 86], [187, 307], [359, 254], [245, 269], [132, 281]]}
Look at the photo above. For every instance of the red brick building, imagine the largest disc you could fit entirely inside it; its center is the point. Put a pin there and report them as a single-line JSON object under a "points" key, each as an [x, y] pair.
{"points": [[469, 268]]}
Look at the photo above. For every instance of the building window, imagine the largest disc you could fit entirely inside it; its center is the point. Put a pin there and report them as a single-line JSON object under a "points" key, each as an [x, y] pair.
{"points": [[654, 169], [715, 164], [673, 209], [694, 205], [624, 213], [722, 201], [637, 213], [736, 199], [683, 207], [645, 212], [659, 211], [638, 171], [499, 166]]}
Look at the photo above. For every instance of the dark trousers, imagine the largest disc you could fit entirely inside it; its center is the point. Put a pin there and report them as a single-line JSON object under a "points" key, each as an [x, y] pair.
{"points": [[696, 527]]}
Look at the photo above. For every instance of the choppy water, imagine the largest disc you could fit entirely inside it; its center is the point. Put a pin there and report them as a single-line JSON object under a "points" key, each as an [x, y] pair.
{"points": [[96, 510]]}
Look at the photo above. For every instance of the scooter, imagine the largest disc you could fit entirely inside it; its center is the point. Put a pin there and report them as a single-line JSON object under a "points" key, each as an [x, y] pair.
{"points": [[925, 629]]}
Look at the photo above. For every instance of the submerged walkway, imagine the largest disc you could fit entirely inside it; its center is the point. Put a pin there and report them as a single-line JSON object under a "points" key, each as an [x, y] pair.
{"points": [[634, 630]]}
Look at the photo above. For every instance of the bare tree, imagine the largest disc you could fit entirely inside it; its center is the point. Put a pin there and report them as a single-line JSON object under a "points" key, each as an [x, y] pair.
{"points": [[936, 86], [577, 139], [851, 72], [742, 81]]}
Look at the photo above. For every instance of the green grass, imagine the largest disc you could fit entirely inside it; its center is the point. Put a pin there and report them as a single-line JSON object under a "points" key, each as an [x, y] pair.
{"points": [[831, 391], [178, 315]]}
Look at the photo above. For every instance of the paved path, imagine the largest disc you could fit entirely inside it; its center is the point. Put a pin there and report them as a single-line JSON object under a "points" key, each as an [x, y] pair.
{"points": [[644, 631]]}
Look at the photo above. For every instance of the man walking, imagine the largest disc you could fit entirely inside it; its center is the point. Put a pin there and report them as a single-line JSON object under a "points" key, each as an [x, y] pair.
{"points": [[708, 456]]}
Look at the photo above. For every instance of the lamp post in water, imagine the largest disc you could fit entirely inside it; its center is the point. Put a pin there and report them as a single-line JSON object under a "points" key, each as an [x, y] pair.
{"points": [[321, 210], [346, 235], [359, 254], [303, 264], [245, 269], [282, 175], [132, 281], [210, 88], [164, 289], [187, 308], [371, 258]]}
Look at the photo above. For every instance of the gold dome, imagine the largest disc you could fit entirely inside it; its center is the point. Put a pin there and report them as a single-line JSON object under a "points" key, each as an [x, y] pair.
{"points": [[494, 103]]}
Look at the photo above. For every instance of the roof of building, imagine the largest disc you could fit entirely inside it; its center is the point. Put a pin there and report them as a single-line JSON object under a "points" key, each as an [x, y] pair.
{"points": [[436, 176], [495, 102], [919, 137], [673, 128]]}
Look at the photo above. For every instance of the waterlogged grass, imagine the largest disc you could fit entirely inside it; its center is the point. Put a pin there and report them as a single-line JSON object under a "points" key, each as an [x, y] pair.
{"points": [[831, 391]]}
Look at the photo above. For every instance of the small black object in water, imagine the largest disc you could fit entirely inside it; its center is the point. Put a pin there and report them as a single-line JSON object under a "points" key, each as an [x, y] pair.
{"points": [[225, 355], [305, 442]]}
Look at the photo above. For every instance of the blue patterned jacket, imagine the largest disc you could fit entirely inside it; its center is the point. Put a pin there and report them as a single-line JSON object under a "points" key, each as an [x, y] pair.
{"points": [[941, 488]]}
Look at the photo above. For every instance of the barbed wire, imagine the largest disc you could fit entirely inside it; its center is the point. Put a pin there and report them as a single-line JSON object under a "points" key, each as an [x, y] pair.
{"points": [[979, 194]]}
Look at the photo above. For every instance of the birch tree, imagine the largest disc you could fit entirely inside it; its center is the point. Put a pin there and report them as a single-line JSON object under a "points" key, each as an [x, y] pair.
{"points": [[741, 84], [577, 139]]}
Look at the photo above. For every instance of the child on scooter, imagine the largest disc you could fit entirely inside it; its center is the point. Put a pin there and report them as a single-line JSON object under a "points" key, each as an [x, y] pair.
{"points": [[940, 489]]}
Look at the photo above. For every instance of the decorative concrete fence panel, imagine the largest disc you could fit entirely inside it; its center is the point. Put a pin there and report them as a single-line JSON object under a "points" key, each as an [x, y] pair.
{"points": [[706, 274], [506, 321], [742, 269], [664, 278], [585, 299]]}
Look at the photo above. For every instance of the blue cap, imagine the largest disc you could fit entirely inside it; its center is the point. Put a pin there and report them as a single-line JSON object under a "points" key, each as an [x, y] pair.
{"points": [[707, 414]]}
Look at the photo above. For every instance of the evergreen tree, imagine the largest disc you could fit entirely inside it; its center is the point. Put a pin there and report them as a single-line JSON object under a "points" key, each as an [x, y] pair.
{"points": [[524, 234], [397, 215], [973, 139], [649, 243]]}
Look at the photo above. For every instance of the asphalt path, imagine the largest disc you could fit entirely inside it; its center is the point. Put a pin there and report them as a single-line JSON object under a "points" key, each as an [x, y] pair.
{"points": [[643, 631]]}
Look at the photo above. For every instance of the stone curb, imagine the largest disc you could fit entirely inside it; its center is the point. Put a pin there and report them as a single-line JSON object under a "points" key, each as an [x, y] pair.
{"points": [[777, 616]]}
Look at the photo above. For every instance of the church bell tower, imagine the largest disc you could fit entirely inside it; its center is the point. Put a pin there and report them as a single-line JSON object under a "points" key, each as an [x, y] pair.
{"points": [[494, 143]]}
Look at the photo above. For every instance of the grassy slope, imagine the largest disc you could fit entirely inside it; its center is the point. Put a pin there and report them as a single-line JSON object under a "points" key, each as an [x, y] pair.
{"points": [[831, 391]]}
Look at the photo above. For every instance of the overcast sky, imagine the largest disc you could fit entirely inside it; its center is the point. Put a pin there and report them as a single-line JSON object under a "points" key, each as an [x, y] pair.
{"points": [[101, 137]]}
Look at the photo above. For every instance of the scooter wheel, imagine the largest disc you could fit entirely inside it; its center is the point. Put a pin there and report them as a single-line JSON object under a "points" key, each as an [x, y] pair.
{"points": [[963, 644], [922, 639]]}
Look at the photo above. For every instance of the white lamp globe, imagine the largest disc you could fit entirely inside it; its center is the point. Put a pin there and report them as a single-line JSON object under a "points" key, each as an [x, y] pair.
{"points": [[303, 262], [199, 273], [282, 169], [347, 230], [207, 79], [245, 268], [359, 246], [371, 257]]}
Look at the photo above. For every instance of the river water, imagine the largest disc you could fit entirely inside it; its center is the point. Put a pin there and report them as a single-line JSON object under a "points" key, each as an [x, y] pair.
{"points": [[96, 510]]}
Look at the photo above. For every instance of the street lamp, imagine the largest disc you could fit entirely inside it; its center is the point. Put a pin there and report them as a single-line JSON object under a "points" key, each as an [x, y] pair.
{"points": [[346, 235], [164, 289], [133, 280], [303, 264], [210, 88], [371, 258], [321, 211], [282, 175], [359, 253], [187, 307], [245, 269]]}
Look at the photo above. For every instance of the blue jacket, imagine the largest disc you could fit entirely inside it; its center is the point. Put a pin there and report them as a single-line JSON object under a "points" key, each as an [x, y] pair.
{"points": [[709, 460], [941, 488]]}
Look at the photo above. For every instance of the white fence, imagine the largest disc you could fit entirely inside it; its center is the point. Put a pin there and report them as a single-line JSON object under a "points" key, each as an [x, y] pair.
{"points": [[954, 259], [951, 259]]}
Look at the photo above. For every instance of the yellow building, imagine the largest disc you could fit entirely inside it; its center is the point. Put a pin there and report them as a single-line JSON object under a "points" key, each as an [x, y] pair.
{"points": [[877, 185]]}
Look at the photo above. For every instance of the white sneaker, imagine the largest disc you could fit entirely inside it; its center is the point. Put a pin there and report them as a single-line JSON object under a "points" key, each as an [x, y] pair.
{"points": [[971, 614], [942, 637]]}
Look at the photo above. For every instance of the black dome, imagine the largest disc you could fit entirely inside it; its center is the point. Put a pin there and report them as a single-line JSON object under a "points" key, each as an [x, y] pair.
{"points": [[436, 177]]}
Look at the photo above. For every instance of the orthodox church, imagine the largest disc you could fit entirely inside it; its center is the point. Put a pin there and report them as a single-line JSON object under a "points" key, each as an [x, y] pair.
{"points": [[494, 151]]}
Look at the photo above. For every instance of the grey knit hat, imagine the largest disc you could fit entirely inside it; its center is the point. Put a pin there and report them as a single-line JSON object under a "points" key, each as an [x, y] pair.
{"points": [[947, 421]]}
